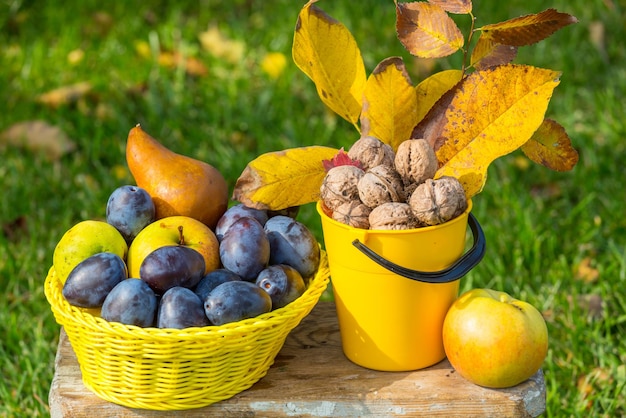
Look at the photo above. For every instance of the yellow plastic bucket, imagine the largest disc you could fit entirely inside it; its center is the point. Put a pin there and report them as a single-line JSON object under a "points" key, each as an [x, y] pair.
{"points": [[393, 289]]}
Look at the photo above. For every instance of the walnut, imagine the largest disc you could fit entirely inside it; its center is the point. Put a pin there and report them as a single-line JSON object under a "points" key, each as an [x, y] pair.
{"points": [[340, 185], [393, 215], [381, 184], [371, 151], [415, 161], [353, 213], [437, 201]]}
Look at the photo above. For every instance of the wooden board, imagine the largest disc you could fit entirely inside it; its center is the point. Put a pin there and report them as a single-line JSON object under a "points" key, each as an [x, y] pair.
{"points": [[312, 377]]}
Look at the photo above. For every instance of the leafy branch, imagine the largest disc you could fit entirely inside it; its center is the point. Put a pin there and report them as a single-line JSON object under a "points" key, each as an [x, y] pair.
{"points": [[470, 118]]}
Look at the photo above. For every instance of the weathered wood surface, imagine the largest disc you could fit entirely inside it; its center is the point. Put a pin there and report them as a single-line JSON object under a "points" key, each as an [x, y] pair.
{"points": [[311, 377]]}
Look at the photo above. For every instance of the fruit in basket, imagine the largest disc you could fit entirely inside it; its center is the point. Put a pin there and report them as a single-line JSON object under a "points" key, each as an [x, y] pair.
{"points": [[282, 282], [236, 300], [174, 230], [234, 213], [245, 248], [181, 308], [130, 209], [171, 266], [179, 185], [493, 339], [89, 283], [292, 243], [131, 302], [83, 240], [213, 279]]}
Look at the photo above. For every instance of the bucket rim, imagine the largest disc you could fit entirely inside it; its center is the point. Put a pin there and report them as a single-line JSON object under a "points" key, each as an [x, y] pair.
{"points": [[382, 232]]}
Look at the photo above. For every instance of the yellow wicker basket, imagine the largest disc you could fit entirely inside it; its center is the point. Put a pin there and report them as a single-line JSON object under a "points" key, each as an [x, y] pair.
{"points": [[159, 369]]}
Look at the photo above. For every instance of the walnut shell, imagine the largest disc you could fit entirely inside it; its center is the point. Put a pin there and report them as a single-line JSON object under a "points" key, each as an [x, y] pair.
{"points": [[340, 185], [393, 215], [371, 151], [415, 161], [437, 201], [380, 184], [353, 213]]}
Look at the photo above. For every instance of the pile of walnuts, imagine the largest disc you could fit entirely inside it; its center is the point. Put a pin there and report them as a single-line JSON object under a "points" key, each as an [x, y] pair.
{"points": [[391, 190]]}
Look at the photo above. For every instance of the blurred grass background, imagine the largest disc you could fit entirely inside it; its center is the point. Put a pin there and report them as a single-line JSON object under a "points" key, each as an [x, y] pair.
{"points": [[215, 80]]}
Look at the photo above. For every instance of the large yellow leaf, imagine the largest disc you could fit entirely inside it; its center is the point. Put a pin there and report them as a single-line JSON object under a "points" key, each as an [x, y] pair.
{"points": [[432, 88], [325, 50], [526, 30], [551, 147], [282, 179], [389, 104], [489, 114], [426, 30]]}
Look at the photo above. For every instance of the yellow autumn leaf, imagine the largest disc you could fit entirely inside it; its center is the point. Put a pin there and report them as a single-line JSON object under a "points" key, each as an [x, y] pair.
{"points": [[454, 6], [551, 147], [484, 118], [488, 53], [273, 64], [529, 29], [426, 30], [282, 179], [65, 95], [325, 50], [432, 88], [389, 103]]}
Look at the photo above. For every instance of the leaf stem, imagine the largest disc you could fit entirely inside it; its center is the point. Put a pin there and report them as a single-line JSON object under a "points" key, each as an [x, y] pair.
{"points": [[467, 44]]}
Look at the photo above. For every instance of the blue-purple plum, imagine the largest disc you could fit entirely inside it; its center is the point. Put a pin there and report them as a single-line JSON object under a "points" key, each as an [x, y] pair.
{"points": [[236, 212], [236, 300], [170, 266], [292, 243], [181, 308], [89, 283], [245, 249], [282, 282], [213, 279], [131, 302], [130, 209]]}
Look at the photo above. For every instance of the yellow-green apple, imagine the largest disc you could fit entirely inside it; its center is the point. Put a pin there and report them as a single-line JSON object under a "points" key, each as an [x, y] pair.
{"points": [[83, 240], [493, 339], [174, 230]]}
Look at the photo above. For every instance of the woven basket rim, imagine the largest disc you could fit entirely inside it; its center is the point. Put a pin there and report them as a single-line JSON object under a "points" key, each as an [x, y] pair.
{"points": [[68, 314]]}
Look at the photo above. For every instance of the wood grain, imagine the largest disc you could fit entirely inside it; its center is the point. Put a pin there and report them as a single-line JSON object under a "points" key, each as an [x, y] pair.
{"points": [[311, 377]]}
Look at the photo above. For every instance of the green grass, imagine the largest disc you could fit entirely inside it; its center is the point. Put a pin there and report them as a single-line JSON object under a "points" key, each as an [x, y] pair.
{"points": [[540, 225]]}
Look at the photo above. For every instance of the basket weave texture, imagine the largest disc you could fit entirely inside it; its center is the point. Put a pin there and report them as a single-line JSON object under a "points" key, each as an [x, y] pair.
{"points": [[169, 369]]}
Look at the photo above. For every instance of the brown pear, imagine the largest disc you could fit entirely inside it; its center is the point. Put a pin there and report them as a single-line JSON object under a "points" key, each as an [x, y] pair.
{"points": [[178, 185]]}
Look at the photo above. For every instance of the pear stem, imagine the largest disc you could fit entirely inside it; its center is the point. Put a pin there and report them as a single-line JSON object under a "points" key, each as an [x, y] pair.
{"points": [[181, 237]]}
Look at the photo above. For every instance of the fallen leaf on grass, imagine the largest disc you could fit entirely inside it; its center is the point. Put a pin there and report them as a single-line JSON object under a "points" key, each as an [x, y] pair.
{"points": [[12, 230], [65, 95], [274, 64], [38, 136], [586, 272], [193, 66], [592, 304], [596, 380], [220, 46]]}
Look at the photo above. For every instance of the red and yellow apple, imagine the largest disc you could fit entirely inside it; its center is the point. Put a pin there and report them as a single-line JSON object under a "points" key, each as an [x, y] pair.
{"points": [[174, 230], [493, 339]]}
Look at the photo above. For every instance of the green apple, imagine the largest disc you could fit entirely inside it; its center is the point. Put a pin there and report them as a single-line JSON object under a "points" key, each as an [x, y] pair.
{"points": [[83, 240], [493, 339], [174, 230]]}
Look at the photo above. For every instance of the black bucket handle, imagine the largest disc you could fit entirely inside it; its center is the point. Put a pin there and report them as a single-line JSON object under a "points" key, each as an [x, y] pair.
{"points": [[459, 269]]}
